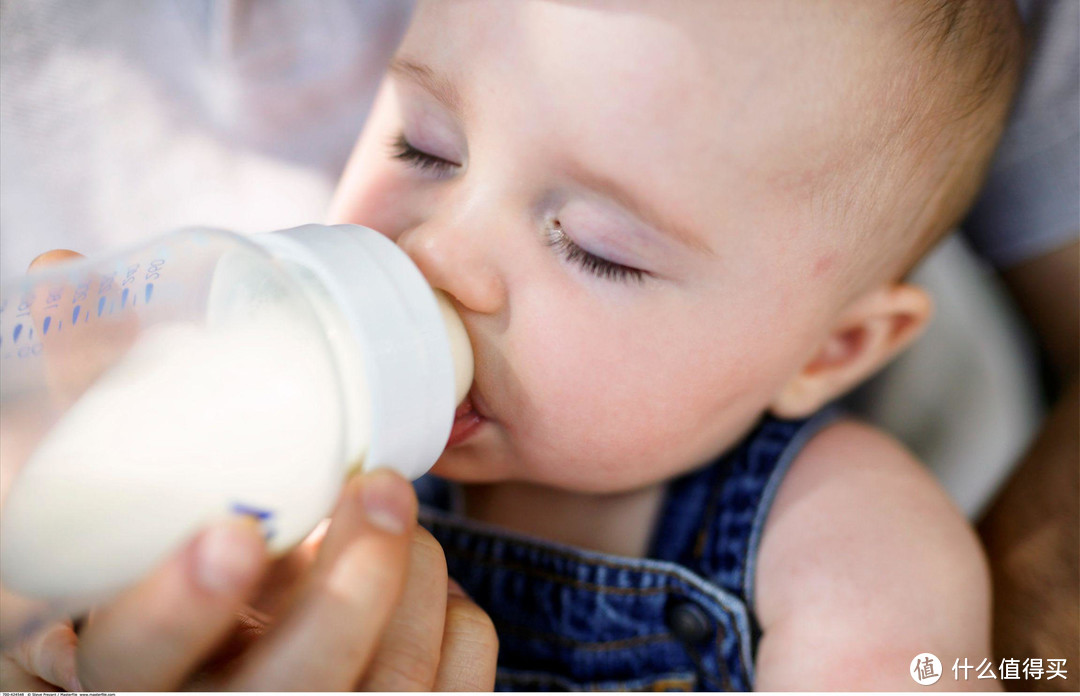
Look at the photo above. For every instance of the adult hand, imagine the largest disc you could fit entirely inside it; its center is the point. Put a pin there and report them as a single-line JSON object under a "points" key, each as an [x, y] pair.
{"points": [[370, 608], [367, 603]]}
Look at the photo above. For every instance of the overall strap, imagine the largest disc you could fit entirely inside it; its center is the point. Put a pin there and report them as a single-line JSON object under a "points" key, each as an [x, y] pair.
{"points": [[712, 518]]}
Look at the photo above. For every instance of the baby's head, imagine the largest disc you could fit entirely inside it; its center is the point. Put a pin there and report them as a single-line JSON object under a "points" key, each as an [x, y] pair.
{"points": [[661, 220]]}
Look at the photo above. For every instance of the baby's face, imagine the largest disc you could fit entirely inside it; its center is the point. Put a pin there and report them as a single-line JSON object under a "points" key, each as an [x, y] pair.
{"points": [[620, 200]]}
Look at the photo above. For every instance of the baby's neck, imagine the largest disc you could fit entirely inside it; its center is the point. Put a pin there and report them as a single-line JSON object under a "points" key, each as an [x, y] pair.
{"points": [[619, 524]]}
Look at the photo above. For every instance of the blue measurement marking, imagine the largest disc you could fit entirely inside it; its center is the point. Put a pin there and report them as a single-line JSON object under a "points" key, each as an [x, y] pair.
{"points": [[45, 326], [261, 515], [123, 297], [149, 291], [16, 332], [100, 306], [59, 325], [75, 313]]}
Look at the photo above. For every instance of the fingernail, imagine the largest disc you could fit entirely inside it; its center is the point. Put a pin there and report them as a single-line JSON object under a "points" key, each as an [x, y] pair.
{"points": [[228, 555], [53, 257], [72, 683], [387, 501], [454, 589]]}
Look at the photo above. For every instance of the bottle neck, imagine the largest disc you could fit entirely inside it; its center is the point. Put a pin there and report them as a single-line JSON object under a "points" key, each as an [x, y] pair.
{"points": [[347, 355], [405, 341]]}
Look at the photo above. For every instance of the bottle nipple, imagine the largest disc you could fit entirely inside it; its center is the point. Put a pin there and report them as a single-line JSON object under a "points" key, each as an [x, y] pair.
{"points": [[460, 347]]}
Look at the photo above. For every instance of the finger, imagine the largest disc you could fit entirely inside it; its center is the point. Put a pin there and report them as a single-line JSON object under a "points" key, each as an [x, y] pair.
{"points": [[51, 297], [282, 580], [50, 655], [77, 352], [408, 654], [276, 591], [325, 641], [50, 258], [14, 678], [470, 648], [156, 634], [41, 303]]}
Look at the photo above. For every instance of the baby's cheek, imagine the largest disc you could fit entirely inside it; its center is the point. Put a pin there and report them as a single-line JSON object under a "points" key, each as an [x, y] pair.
{"points": [[379, 199], [609, 414]]}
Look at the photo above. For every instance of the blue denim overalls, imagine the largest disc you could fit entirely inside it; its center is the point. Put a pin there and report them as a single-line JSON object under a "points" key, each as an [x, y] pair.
{"points": [[681, 619]]}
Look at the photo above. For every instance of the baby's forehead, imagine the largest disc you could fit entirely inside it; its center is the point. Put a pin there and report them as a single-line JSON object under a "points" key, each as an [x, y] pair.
{"points": [[707, 105], [741, 65], [770, 94], [720, 62]]}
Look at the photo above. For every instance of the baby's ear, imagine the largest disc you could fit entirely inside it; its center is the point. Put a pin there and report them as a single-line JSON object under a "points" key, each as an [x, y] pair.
{"points": [[866, 335]]}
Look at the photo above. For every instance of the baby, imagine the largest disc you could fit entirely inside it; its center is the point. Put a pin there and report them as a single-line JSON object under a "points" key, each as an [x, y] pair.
{"points": [[675, 232]]}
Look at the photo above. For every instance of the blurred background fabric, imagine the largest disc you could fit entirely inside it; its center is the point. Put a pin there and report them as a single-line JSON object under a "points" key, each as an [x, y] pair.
{"points": [[120, 120], [1030, 203], [967, 397]]}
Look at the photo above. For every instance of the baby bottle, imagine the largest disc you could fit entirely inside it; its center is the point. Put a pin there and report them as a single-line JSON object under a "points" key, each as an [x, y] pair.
{"points": [[200, 375]]}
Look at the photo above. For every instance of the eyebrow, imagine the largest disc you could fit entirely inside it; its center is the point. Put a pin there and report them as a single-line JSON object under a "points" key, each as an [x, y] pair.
{"points": [[612, 190], [440, 87]]}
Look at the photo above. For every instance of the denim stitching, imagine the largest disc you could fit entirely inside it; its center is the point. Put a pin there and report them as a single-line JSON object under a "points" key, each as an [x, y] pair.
{"points": [[591, 646], [670, 684], [721, 659], [710, 511], [711, 681], [688, 682], [673, 571], [736, 613], [791, 450], [679, 574], [567, 553], [478, 559]]}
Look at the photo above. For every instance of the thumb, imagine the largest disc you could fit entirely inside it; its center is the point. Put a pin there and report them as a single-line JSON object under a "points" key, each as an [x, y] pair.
{"points": [[53, 257]]}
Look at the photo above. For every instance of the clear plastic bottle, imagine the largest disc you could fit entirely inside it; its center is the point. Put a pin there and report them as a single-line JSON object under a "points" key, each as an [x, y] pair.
{"points": [[204, 374]]}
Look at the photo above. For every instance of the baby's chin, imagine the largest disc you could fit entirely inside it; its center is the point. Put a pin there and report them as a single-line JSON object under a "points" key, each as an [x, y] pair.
{"points": [[465, 463]]}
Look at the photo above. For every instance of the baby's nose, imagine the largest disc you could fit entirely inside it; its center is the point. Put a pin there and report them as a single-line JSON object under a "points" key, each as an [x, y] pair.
{"points": [[455, 262]]}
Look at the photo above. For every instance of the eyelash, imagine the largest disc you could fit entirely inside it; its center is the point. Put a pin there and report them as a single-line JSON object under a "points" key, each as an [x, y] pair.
{"points": [[602, 268], [402, 150]]}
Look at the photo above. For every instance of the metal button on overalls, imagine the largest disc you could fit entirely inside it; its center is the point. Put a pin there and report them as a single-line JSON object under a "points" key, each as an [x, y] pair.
{"points": [[688, 621]]}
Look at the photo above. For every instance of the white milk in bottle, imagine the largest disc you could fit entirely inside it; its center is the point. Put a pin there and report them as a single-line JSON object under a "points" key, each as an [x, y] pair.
{"points": [[251, 381]]}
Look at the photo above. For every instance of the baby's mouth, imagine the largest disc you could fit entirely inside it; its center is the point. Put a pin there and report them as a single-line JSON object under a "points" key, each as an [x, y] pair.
{"points": [[467, 420]]}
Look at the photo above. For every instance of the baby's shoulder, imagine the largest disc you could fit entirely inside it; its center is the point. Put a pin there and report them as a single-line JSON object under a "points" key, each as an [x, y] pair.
{"points": [[864, 557]]}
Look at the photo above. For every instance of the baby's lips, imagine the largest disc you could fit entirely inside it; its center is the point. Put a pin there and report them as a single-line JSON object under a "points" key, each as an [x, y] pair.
{"points": [[473, 403], [467, 418], [464, 407]]}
